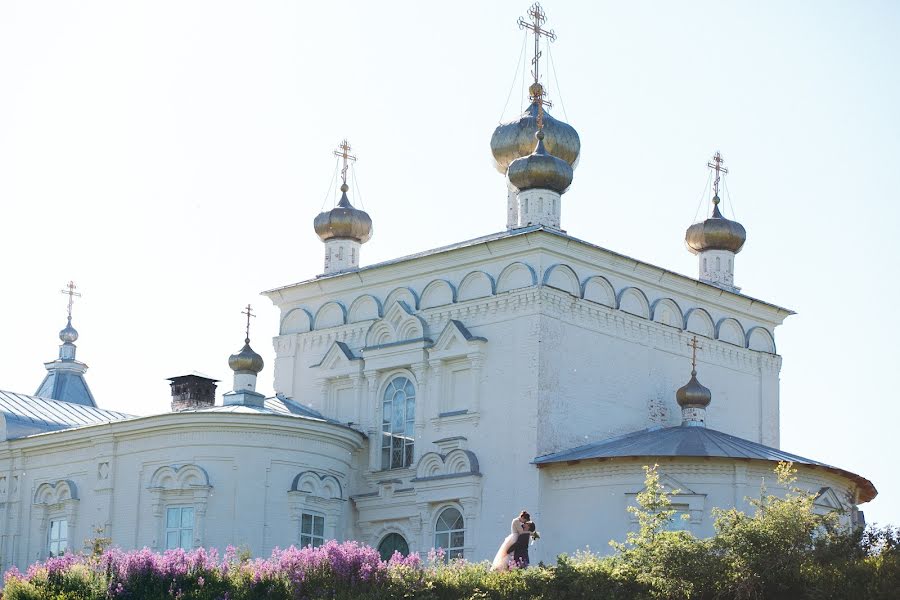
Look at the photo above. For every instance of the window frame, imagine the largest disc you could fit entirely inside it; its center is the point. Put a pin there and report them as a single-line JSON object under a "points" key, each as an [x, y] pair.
{"points": [[388, 434], [451, 551], [60, 538], [180, 529], [311, 535]]}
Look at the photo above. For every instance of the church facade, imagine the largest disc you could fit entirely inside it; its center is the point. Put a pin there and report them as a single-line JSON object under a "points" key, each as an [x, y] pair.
{"points": [[423, 402]]}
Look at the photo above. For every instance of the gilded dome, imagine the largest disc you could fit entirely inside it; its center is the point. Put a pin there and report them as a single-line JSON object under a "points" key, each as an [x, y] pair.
{"points": [[344, 222], [540, 170], [68, 334], [516, 139], [693, 394], [715, 233], [246, 361]]}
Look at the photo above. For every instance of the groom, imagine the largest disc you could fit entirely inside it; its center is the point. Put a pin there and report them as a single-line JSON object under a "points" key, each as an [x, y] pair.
{"points": [[519, 549]]}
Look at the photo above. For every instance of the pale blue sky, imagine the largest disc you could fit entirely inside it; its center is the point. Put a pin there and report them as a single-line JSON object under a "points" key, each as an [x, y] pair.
{"points": [[170, 157]]}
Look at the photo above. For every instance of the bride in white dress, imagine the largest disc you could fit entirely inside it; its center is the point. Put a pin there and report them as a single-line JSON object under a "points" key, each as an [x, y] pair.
{"points": [[517, 527]]}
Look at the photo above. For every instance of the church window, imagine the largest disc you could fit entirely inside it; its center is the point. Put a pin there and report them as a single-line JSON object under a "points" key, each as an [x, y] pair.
{"points": [[398, 418], [729, 265], [312, 530], [450, 533], [179, 527], [704, 264], [718, 264], [59, 537], [392, 542], [340, 253]]}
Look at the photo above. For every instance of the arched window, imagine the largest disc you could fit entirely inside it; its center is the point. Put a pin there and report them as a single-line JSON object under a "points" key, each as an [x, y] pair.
{"points": [[450, 533], [704, 265], [398, 419], [718, 263], [392, 542]]}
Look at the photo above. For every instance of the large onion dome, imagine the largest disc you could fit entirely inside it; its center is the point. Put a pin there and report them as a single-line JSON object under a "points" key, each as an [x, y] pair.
{"points": [[246, 361], [68, 334], [516, 139], [715, 233], [693, 394], [344, 221], [540, 170]]}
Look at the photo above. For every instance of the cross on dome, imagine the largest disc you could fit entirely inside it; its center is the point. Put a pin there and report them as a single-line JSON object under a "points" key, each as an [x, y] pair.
{"points": [[343, 152], [247, 311], [694, 347], [538, 18], [72, 294], [716, 165]]}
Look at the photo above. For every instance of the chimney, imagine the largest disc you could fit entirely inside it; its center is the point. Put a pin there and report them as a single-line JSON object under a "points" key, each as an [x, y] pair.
{"points": [[193, 391]]}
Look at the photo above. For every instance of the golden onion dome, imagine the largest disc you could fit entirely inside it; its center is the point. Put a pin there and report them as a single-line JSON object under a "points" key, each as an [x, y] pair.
{"points": [[693, 394], [516, 139], [68, 334], [540, 170], [344, 222], [715, 233], [246, 361]]}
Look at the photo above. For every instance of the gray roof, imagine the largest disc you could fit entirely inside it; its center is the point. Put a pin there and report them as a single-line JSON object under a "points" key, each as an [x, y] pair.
{"points": [[278, 405], [66, 386], [681, 441], [28, 415]]}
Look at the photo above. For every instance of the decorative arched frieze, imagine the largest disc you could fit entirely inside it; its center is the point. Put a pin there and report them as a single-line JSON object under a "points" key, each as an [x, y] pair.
{"points": [[562, 277], [56, 493], [730, 331], [365, 308], [516, 275], [597, 289], [761, 340], [319, 495], [183, 486], [634, 302], [698, 321], [398, 325], [439, 292], [476, 284], [297, 320], [330, 314], [456, 463], [402, 294], [667, 312]]}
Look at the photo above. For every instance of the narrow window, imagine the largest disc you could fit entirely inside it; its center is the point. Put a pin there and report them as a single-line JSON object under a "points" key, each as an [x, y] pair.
{"points": [[179, 527], [312, 530], [59, 537], [450, 533], [718, 264], [704, 265], [398, 420]]}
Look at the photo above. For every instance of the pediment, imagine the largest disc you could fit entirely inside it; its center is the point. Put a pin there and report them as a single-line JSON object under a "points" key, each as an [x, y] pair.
{"points": [[339, 357], [398, 325], [455, 340], [672, 485], [827, 498]]}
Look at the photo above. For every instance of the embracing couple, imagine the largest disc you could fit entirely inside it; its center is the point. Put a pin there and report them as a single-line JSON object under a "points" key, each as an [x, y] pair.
{"points": [[514, 549]]}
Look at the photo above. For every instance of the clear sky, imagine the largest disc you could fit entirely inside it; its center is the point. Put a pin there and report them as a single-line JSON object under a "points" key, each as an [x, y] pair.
{"points": [[170, 156]]}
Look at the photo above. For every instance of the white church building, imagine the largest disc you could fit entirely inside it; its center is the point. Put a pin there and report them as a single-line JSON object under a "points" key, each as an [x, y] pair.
{"points": [[424, 401]]}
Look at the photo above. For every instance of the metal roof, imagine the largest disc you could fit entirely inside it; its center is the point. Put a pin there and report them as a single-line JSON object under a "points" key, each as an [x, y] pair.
{"points": [[27, 415], [683, 441], [66, 386]]}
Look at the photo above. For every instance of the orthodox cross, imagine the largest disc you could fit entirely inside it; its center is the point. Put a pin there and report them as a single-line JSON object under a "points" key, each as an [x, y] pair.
{"points": [[72, 294], [247, 311], [694, 347], [344, 154], [538, 18], [716, 165]]}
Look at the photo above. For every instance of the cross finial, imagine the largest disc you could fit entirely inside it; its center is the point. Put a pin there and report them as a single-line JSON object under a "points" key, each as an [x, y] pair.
{"points": [[72, 294], [716, 165], [343, 152], [538, 18], [694, 347], [247, 311]]}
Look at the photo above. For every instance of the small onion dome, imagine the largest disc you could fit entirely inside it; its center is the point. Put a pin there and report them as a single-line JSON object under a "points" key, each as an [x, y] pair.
{"points": [[715, 233], [344, 222], [693, 394], [246, 361], [540, 170], [68, 334], [516, 139]]}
